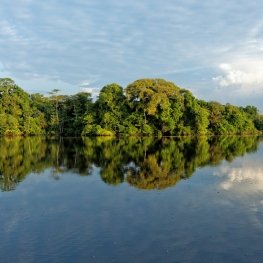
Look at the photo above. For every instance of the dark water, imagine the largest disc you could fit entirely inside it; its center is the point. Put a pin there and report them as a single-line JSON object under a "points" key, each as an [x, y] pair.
{"points": [[131, 200]]}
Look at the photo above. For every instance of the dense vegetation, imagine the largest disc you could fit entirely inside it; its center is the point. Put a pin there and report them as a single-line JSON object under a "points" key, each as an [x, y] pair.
{"points": [[142, 162], [145, 107]]}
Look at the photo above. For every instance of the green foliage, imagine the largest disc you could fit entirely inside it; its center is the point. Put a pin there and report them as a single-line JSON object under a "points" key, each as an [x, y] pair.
{"points": [[18, 114], [72, 113], [146, 107], [155, 101]]}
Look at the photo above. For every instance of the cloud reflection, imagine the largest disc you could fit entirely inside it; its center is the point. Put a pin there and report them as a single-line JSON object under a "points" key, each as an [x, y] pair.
{"points": [[251, 177]]}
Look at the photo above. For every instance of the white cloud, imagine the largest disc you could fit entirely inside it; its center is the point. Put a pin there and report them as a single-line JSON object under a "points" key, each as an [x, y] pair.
{"points": [[242, 181], [245, 75], [243, 175], [87, 86], [124, 40], [88, 90], [88, 82]]}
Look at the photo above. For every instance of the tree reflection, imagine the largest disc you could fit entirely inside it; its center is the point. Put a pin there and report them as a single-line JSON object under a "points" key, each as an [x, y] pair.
{"points": [[20, 156], [142, 162]]}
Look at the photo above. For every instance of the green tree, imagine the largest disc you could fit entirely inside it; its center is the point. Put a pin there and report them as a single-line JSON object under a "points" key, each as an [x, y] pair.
{"points": [[108, 114], [153, 100], [74, 110], [18, 114]]}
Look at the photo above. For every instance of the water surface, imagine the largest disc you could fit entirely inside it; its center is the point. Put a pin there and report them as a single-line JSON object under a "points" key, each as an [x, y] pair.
{"points": [[131, 200]]}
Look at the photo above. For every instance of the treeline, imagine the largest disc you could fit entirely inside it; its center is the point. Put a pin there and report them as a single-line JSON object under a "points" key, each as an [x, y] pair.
{"points": [[145, 107]]}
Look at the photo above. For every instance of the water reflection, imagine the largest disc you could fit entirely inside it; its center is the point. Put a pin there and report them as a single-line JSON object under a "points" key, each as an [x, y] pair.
{"points": [[242, 175], [145, 163]]}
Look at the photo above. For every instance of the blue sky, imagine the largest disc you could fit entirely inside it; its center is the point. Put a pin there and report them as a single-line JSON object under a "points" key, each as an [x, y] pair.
{"points": [[214, 48]]}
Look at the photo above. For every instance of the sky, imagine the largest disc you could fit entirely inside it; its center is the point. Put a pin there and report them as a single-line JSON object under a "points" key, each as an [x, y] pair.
{"points": [[212, 47]]}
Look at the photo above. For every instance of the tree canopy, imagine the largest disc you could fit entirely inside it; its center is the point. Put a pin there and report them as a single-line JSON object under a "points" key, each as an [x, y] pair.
{"points": [[145, 107]]}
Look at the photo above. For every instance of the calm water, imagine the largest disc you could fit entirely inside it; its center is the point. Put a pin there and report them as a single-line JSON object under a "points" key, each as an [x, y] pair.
{"points": [[131, 200]]}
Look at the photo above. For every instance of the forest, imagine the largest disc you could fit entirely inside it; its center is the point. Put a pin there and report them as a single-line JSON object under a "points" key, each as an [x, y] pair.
{"points": [[145, 107]]}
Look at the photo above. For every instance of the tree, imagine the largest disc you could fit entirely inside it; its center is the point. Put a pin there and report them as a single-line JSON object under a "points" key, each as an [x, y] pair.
{"points": [[54, 118], [109, 112], [153, 99], [146, 107], [74, 110], [19, 116]]}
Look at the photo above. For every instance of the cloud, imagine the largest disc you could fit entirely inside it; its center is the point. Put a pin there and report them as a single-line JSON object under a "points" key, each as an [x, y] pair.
{"points": [[120, 41], [88, 82], [88, 86], [88, 90], [245, 75], [243, 175], [243, 182], [241, 69]]}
